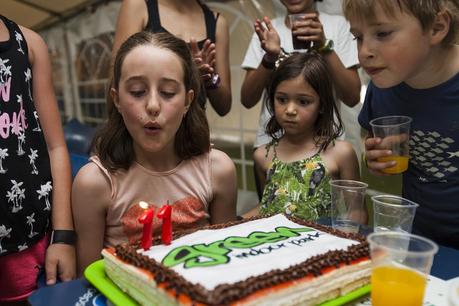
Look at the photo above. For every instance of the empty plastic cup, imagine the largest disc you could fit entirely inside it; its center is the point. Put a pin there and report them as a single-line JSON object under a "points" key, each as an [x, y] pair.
{"points": [[348, 205], [393, 213]]}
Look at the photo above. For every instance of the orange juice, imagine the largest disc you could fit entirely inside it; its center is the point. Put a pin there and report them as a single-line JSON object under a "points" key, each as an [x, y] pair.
{"points": [[396, 287], [400, 166]]}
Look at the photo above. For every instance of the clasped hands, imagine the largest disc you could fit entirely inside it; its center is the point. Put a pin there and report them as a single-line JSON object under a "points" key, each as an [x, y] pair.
{"points": [[204, 58]]}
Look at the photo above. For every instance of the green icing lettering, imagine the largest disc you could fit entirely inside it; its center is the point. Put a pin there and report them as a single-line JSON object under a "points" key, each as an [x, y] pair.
{"points": [[216, 253], [199, 255]]}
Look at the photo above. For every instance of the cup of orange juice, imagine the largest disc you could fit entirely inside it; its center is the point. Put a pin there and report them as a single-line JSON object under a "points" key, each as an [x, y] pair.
{"points": [[401, 263], [395, 134]]}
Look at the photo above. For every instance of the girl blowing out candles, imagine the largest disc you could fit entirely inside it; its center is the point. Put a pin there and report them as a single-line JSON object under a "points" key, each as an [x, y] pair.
{"points": [[155, 147]]}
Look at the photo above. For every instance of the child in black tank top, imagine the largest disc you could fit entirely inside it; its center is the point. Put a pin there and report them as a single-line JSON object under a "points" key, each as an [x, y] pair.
{"points": [[210, 48], [34, 168]]}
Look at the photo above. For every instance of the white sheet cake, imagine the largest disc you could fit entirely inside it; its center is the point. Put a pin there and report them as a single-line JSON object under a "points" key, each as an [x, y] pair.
{"points": [[264, 261]]}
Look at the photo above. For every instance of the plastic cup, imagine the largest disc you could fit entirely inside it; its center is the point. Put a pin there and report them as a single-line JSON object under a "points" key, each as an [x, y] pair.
{"points": [[453, 293], [347, 205], [395, 134], [393, 213], [401, 263], [298, 44]]}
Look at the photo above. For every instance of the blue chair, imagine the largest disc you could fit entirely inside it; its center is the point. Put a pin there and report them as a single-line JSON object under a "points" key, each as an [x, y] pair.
{"points": [[77, 162], [78, 137]]}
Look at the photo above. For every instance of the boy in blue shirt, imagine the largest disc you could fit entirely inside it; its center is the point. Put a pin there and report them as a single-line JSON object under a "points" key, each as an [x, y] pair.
{"points": [[409, 49]]}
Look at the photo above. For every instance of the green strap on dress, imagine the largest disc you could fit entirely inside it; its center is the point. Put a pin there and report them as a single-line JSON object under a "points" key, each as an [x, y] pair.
{"points": [[300, 188]]}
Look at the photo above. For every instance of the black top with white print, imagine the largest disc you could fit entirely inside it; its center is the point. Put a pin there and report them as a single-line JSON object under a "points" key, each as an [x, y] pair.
{"points": [[25, 172]]}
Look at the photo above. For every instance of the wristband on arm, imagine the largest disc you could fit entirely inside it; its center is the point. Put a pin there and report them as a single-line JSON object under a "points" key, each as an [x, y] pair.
{"points": [[63, 236], [272, 65], [267, 64], [213, 82]]}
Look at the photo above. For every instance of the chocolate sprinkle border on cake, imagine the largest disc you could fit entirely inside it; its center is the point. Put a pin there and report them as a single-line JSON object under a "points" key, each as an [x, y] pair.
{"points": [[225, 294]]}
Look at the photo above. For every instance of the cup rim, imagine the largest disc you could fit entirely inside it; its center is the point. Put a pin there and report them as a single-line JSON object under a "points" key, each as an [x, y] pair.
{"points": [[296, 14], [376, 198], [432, 243], [407, 118], [336, 183]]}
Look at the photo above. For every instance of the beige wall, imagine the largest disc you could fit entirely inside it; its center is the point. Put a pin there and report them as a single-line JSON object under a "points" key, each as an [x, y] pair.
{"points": [[241, 123]]}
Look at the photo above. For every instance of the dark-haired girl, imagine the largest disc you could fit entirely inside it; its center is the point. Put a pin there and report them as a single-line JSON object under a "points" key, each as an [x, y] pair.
{"points": [[305, 153]]}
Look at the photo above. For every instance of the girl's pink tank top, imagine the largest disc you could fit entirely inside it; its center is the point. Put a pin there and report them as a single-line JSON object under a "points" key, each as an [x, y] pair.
{"points": [[187, 188]]}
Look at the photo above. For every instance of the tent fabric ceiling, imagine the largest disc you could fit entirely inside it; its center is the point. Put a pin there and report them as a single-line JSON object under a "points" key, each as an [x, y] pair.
{"points": [[41, 14]]}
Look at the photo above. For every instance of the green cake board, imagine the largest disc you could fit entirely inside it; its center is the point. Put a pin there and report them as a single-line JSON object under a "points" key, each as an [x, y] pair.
{"points": [[95, 274], [351, 296]]}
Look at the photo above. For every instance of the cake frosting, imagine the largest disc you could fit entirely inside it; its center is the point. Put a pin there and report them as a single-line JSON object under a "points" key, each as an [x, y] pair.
{"points": [[273, 261]]}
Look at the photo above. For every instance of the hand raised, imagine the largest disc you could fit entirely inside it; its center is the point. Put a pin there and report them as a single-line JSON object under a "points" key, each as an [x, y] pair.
{"points": [[268, 36], [204, 58]]}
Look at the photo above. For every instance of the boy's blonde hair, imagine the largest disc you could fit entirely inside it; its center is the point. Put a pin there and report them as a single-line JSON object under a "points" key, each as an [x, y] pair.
{"points": [[424, 10]]}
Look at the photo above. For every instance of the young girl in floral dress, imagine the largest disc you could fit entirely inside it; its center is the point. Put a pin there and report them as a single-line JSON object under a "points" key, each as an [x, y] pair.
{"points": [[304, 154]]}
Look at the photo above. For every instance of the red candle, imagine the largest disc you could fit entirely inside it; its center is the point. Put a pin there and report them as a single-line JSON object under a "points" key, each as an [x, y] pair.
{"points": [[165, 214], [147, 220]]}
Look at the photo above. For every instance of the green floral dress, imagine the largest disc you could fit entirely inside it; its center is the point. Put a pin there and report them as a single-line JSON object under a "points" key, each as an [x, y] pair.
{"points": [[300, 188]]}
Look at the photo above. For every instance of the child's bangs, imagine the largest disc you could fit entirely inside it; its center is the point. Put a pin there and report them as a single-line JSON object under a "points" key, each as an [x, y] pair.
{"points": [[364, 10]]}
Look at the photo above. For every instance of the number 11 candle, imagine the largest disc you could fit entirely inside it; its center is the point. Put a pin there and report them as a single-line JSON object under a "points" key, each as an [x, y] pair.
{"points": [[165, 214], [147, 220]]}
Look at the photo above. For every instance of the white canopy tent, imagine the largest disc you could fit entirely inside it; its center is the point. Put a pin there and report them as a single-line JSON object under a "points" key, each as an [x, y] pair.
{"points": [[41, 14]]}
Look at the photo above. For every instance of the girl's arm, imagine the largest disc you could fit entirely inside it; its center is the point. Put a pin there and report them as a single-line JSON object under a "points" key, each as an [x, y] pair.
{"points": [[256, 79], [60, 258], [132, 18], [90, 198], [349, 169], [220, 98], [345, 80], [348, 164], [224, 186], [261, 162]]}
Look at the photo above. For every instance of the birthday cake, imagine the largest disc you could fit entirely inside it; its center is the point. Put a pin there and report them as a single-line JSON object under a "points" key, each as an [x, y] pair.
{"points": [[263, 261]]}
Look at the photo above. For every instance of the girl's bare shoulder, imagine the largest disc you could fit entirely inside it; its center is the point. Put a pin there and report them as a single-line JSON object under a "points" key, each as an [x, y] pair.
{"points": [[339, 149], [263, 153], [91, 178], [339, 145], [221, 162]]}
